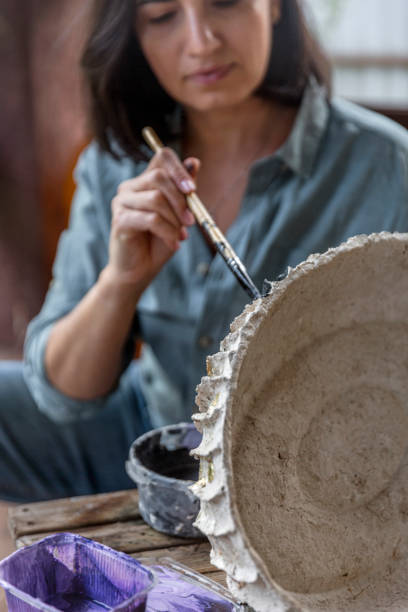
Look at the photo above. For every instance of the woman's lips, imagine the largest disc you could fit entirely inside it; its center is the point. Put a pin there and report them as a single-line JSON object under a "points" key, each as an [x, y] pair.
{"points": [[211, 75]]}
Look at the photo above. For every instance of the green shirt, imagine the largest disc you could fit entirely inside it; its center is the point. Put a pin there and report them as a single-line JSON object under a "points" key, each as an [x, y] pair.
{"points": [[342, 171]]}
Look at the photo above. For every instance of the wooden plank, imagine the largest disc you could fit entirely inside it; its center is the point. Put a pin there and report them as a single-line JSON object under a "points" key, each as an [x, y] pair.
{"points": [[218, 576], [112, 519], [127, 536], [182, 555], [73, 512], [194, 556]]}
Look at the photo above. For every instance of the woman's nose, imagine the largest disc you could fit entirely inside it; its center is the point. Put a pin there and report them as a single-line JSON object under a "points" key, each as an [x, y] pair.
{"points": [[201, 37]]}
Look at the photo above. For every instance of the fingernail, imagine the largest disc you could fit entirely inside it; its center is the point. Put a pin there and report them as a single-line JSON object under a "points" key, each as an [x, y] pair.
{"points": [[188, 217], [183, 233], [187, 186]]}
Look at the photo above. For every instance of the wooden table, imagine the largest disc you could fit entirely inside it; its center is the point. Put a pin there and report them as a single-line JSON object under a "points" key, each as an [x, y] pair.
{"points": [[112, 519]]}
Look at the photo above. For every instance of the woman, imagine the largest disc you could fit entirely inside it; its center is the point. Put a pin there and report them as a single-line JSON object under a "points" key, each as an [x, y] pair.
{"points": [[239, 89]]}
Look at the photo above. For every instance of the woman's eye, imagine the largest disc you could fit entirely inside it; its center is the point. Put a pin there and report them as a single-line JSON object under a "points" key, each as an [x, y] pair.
{"points": [[162, 18]]}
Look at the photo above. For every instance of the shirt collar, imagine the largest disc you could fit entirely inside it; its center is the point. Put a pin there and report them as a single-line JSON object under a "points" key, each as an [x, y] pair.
{"points": [[300, 149]]}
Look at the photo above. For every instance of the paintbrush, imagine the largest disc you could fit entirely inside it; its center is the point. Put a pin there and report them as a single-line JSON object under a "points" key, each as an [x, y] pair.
{"points": [[208, 224]]}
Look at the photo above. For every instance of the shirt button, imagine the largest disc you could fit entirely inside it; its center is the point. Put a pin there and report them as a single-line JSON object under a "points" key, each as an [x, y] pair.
{"points": [[205, 341], [202, 268]]}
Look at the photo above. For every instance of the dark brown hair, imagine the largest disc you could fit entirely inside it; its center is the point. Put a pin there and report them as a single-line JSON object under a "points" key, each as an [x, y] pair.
{"points": [[125, 95]]}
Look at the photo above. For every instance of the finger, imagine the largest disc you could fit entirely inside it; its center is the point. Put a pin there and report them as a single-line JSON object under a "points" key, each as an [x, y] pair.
{"points": [[176, 199], [192, 165], [152, 200], [167, 158], [156, 177], [136, 221], [148, 202]]}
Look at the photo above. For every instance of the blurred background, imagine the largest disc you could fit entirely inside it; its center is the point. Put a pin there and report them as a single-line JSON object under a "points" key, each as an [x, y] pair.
{"points": [[43, 126], [367, 41], [42, 130]]}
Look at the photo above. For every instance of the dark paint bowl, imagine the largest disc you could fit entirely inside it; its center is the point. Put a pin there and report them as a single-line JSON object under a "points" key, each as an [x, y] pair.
{"points": [[71, 573], [163, 469]]}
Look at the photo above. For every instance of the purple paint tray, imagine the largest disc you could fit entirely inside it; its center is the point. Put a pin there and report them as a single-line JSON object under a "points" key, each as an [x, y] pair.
{"points": [[71, 573], [180, 589]]}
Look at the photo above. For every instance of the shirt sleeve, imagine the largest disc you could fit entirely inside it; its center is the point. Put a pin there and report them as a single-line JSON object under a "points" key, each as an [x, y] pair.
{"points": [[81, 255], [404, 155]]}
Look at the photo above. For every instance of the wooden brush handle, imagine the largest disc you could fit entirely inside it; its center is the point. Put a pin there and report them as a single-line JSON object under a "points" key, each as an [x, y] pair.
{"points": [[205, 220], [198, 209], [152, 139]]}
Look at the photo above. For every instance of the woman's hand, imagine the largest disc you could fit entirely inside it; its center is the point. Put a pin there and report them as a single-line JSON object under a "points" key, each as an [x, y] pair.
{"points": [[150, 218], [84, 352]]}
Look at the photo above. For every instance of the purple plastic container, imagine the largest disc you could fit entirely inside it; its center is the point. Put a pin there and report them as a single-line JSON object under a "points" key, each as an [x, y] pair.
{"points": [[179, 589], [71, 573]]}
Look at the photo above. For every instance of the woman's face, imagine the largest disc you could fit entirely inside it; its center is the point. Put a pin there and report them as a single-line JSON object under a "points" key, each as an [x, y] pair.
{"points": [[207, 54]]}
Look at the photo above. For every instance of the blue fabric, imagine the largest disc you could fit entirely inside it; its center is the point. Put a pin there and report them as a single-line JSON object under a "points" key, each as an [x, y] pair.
{"points": [[342, 171], [41, 459]]}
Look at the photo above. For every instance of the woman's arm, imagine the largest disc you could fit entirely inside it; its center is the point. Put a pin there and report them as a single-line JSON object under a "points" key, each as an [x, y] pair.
{"points": [[83, 357], [84, 351]]}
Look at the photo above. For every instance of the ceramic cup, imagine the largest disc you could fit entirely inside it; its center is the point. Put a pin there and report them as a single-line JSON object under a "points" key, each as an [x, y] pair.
{"points": [[163, 469]]}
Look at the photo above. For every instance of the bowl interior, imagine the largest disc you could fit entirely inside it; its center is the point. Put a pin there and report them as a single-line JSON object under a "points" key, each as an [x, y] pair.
{"points": [[167, 452], [319, 445]]}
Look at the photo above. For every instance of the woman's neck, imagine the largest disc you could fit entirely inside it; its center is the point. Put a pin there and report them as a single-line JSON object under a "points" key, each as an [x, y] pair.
{"points": [[259, 126]]}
